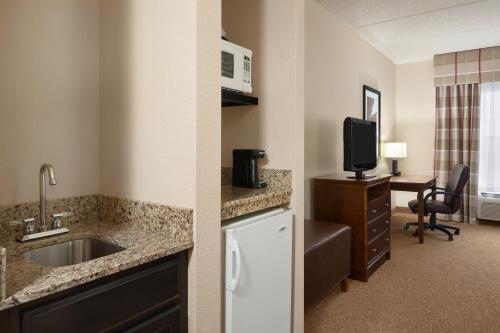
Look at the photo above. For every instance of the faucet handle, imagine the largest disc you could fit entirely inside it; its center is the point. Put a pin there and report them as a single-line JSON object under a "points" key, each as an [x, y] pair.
{"points": [[28, 225], [57, 219]]}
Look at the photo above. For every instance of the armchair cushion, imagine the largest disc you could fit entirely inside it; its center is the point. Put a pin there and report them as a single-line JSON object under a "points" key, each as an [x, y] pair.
{"points": [[413, 205], [433, 206], [440, 207]]}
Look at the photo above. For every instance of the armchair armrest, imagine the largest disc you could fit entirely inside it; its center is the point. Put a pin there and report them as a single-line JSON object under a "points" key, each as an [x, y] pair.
{"points": [[440, 192]]}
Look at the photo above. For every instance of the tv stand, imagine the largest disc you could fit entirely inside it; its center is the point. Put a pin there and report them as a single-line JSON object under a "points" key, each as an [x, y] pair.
{"points": [[364, 205], [361, 175]]}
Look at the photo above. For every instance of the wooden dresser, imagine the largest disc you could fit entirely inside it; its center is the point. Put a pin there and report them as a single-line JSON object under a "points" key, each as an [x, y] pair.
{"points": [[365, 205]]}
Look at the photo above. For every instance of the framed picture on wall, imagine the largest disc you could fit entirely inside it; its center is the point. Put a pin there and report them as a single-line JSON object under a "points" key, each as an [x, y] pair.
{"points": [[371, 110]]}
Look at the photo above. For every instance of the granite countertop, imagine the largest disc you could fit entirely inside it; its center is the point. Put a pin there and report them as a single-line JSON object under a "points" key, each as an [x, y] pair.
{"points": [[237, 201], [23, 280]]}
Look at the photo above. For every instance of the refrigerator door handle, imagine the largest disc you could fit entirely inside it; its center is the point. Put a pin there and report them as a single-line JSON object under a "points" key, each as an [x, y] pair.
{"points": [[236, 280]]}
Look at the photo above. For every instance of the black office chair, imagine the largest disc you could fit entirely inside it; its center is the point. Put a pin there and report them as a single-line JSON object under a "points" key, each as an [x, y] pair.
{"points": [[451, 203]]}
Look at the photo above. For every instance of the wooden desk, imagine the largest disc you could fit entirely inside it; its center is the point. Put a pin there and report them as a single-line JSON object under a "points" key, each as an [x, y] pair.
{"points": [[415, 184]]}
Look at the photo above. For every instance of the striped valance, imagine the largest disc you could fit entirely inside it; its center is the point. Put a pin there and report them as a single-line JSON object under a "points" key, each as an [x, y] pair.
{"points": [[466, 67]]}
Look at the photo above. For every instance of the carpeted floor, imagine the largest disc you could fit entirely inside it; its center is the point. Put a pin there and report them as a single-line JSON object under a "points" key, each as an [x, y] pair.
{"points": [[438, 286]]}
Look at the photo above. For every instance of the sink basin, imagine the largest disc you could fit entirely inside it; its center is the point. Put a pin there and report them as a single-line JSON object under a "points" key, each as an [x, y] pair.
{"points": [[72, 252]]}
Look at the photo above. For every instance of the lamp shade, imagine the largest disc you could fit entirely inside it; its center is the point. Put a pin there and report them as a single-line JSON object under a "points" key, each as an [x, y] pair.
{"points": [[395, 150]]}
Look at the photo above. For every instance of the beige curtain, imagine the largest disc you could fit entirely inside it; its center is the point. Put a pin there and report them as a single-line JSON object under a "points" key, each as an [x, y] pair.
{"points": [[457, 141]]}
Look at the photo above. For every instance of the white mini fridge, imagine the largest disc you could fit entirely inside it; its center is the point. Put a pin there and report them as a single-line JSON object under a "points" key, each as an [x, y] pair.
{"points": [[258, 273]]}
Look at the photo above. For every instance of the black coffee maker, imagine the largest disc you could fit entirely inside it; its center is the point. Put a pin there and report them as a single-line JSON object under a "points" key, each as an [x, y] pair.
{"points": [[245, 172]]}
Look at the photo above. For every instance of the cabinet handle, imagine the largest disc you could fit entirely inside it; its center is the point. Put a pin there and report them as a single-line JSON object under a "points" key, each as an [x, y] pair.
{"points": [[374, 211], [374, 250], [387, 239], [387, 204], [387, 222], [374, 230]]}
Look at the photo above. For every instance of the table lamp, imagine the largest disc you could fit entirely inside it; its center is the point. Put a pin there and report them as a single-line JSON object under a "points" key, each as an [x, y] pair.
{"points": [[395, 150]]}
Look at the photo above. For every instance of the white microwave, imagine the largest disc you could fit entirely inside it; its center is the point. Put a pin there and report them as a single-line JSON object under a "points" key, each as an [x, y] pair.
{"points": [[236, 67]]}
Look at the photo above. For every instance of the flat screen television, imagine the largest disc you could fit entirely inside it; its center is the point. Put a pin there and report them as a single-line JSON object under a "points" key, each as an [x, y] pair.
{"points": [[360, 146]]}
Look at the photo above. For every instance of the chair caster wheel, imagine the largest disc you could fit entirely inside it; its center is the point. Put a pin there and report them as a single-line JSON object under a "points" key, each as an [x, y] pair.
{"points": [[457, 232], [450, 238]]}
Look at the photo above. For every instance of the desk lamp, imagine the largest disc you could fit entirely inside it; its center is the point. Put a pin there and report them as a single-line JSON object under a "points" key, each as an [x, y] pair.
{"points": [[395, 150]]}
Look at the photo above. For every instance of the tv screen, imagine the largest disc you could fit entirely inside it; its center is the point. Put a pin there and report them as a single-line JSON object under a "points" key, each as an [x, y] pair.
{"points": [[360, 144]]}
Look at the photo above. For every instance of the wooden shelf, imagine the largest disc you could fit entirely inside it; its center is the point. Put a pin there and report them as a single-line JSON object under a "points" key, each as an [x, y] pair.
{"points": [[234, 98]]}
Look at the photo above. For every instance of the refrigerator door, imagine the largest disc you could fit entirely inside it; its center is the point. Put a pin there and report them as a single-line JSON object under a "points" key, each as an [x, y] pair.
{"points": [[258, 276]]}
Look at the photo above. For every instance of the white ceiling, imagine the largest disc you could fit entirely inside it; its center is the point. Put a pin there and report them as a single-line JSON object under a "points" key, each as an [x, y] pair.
{"points": [[414, 30]]}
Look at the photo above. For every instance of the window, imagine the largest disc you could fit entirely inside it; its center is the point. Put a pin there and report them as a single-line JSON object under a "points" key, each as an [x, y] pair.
{"points": [[489, 156]]}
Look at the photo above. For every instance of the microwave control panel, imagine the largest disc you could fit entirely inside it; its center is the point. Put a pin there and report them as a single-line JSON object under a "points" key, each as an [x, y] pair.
{"points": [[247, 70]]}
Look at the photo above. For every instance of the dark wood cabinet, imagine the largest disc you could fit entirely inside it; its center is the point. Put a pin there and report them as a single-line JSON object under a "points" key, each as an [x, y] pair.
{"points": [[365, 205], [5, 321], [167, 321], [148, 298]]}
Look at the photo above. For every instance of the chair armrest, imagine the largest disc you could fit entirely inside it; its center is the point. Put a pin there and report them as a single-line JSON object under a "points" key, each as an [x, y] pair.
{"points": [[440, 192]]}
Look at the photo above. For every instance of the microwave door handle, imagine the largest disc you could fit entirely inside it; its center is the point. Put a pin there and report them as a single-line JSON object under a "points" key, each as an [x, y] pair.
{"points": [[236, 280]]}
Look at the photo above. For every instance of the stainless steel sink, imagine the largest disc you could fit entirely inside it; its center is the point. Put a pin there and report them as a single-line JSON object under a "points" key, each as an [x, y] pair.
{"points": [[72, 252]]}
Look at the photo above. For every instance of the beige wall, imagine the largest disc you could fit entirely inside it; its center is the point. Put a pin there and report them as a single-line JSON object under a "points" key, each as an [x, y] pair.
{"points": [[337, 65], [415, 118], [274, 31], [49, 97], [148, 100], [267, 28], [161, 125], [298, 168], [205, 263]]}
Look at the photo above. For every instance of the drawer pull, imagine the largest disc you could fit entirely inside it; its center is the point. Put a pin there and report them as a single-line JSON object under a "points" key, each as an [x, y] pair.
{"points": [[386, 204], [374, 250], [374, 230], [374, 211]]}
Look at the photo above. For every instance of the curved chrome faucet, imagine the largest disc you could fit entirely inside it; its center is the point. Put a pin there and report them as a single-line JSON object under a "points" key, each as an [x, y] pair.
{"points": [[43, 229], [52, 181]]}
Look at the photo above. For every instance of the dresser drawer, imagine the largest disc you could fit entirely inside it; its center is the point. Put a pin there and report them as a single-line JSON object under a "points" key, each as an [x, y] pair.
{"points": [[378, 226], [378, 207], [378, 245]]}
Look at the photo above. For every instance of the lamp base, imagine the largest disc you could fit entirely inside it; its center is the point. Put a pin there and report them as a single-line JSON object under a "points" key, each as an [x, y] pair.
{"points": [[395, 171]]}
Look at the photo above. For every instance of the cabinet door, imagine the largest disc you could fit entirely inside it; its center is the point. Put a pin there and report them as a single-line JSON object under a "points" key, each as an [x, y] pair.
{"points": [[5, 321], [164, 322], [108, 306]]}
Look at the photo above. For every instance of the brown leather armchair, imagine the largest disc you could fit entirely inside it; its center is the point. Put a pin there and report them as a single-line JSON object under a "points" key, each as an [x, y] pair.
{"points": [[450, 204]]}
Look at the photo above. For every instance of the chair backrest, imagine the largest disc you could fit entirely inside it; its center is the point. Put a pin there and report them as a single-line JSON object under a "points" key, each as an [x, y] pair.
{"points": [[458, 178]]}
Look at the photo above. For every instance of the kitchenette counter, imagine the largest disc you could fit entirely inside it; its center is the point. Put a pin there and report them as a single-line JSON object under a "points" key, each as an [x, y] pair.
{"points": [[237, 201], [25, 280], [146, 230]]}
